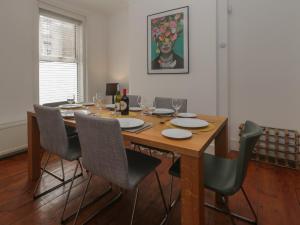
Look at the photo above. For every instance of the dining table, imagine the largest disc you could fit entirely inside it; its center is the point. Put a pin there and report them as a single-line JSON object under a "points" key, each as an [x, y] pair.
{"points": [[191, 151]]}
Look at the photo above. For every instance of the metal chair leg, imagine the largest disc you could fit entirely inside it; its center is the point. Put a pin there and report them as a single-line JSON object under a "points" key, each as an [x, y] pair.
{"points": [[228, 210], [41, 175], [250, 205], [83, 197], [69, 191], [62, 169], [234, 215], [161, 192], [134, 205], [164, 220]]}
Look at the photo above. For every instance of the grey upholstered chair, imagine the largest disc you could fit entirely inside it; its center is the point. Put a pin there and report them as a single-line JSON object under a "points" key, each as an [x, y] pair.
{"points": [[133, 100], [71, 131], [226, 176], [54, 141], [103, 155], [161, 102]]}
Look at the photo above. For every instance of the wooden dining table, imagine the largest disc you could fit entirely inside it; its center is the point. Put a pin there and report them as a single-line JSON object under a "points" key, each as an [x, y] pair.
{"points": [[191, 151]]}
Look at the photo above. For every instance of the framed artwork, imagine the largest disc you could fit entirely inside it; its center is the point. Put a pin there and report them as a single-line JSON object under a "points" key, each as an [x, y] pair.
{"points": [[168, 42]]}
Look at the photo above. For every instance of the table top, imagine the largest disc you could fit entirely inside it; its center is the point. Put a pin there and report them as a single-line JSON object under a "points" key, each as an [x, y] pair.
{"points": [[152, 137]]}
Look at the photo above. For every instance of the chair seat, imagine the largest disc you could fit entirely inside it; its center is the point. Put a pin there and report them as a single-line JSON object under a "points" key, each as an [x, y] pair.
{"points": [[219, 174], [139, 166], [74, 150]]}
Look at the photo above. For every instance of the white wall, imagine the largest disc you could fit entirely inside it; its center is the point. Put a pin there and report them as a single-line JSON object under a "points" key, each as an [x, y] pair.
{"points": [[18, 65], [199, 87], [118, 60], [264, 57]]}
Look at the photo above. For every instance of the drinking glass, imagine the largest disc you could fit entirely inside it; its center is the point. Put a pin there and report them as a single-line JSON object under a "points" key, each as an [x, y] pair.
{"points": [[139, 102], [71, 99], [176, 104]]}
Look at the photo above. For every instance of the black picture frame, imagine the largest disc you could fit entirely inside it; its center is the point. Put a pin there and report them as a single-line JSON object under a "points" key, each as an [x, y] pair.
{"points": [[186, 36]]}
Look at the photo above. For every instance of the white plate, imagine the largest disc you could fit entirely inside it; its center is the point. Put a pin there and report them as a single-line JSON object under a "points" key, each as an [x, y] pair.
{"points": [[88, 103], [110, 106], [135, 109], [70, 106], [70, 113], [187, 115], [189, 122], [177, 133], [162, 111], [128, 123]]}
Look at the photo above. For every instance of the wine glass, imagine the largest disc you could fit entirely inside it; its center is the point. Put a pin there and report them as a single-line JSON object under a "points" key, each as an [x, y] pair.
{"points": [[176, 104]]}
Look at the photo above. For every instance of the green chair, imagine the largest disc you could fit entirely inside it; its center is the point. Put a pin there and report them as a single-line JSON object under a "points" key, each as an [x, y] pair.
{"points": [[226, 176]]}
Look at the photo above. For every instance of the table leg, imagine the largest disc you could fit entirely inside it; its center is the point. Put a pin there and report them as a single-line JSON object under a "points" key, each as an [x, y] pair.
{"points": [[221, 150], [34, 152], [192, 191]]}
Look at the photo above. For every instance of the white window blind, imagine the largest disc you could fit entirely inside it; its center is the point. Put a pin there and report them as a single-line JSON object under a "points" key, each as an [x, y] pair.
{"points": [[60, 58]]}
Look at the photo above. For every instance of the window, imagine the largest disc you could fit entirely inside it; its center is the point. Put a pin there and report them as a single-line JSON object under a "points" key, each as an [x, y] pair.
{"points": [[60, 50]]}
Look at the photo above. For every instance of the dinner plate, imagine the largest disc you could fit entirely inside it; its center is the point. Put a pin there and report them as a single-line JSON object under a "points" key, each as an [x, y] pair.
{"points": [[70, 106], [189, 123], [162, 111], [110, 106], [187, 115], [135, 109], [70, 113], [177, 133], [128, 123]]}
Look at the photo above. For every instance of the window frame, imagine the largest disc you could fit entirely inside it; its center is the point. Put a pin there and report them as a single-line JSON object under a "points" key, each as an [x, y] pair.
{"points": [[71, 15]]}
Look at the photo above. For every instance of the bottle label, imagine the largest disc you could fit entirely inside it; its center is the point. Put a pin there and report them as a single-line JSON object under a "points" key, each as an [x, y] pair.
{"points": [[123, 105]]}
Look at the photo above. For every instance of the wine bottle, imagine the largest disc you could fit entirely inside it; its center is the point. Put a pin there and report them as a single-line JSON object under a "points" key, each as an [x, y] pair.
{"points": [[117, 101], [124, 104]]}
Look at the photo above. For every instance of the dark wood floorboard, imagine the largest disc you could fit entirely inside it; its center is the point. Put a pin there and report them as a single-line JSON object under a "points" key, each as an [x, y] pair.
{"points": [[274, 192]]}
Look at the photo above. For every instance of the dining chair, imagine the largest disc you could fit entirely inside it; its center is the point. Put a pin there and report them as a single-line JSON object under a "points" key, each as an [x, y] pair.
{"points": [[162, 102], [226, 176], [54, 141], [133, 100], [71, 131], [104, 155]]}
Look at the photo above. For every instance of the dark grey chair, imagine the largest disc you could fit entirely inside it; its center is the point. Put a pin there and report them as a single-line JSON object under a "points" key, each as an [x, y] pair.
{"points": [[161, 102], [226, 176], [133, 100], [54, 141], [103, 155]]}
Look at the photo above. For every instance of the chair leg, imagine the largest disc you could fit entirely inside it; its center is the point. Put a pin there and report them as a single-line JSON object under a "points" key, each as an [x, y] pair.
{"points": [[40, 178], [234, 215], [134, 205], [228, 210], [83, 197], [164, 220], [62, 169], [250, 205], [69, 191]]}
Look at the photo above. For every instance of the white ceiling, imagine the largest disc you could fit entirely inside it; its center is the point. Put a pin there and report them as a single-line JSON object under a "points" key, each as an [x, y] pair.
{"points": [[106, 6]]}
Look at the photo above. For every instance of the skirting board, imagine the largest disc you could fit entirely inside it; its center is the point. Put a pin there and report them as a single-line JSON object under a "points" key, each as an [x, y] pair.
{"points": [[12, 151]]}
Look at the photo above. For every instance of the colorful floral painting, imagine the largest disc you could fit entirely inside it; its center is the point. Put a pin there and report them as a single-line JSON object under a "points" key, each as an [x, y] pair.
{"points": [[168, 42]]}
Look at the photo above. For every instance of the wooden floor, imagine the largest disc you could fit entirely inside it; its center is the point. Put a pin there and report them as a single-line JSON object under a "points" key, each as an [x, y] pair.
{"points": [[275, 193]]}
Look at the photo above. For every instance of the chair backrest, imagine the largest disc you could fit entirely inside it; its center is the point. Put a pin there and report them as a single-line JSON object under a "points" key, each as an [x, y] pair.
{"points": [[55, 104], [248, 140], [161, 102], [53, 134], [102, 149], [133, 100]]}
